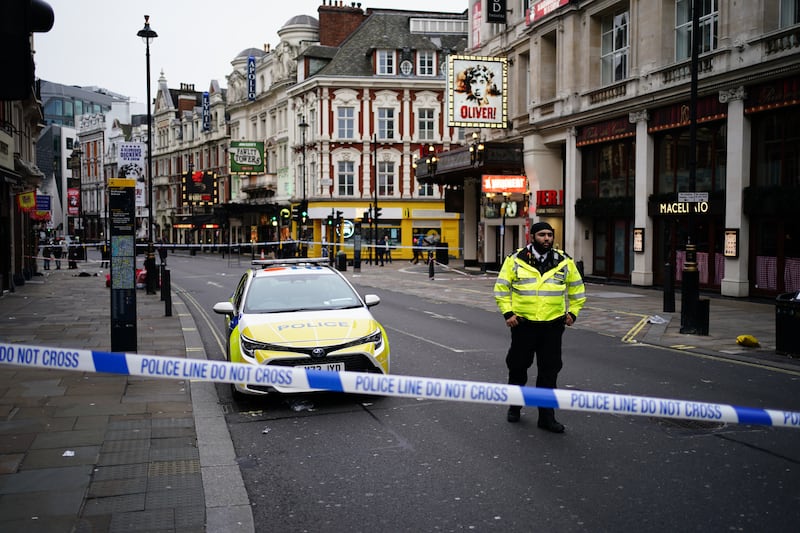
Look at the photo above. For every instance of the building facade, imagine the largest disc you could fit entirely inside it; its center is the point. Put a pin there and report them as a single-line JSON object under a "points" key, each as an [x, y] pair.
{"points": [[601, 101], [190, 139], [345, 104]]}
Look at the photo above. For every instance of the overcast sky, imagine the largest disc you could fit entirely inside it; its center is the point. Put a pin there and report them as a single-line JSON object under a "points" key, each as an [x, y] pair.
{"points": [[94, 42]]}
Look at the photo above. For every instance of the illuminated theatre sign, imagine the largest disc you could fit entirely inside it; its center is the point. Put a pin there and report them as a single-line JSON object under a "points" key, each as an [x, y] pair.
{"points": [[477, 91]]}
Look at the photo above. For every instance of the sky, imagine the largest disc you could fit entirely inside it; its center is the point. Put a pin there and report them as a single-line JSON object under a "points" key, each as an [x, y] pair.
{"points": [[94, 42]]}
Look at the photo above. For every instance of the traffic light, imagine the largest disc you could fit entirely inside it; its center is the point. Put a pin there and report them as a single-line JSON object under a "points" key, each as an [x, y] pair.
{"points": [[296, 213], [378, 212], [18, 19], [366, 217], [274, 220], [330, 220], [285, 214], [303, 211], [339, 218]]}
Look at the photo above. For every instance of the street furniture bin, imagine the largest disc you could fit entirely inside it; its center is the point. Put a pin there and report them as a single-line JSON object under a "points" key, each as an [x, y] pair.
{"points": [[341, 261], [787, 324], [441, 253]]}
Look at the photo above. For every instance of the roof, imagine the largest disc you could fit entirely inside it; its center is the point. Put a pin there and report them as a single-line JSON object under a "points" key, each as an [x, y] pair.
{"points": [[302, 20], [255, 52], [388, 30]]}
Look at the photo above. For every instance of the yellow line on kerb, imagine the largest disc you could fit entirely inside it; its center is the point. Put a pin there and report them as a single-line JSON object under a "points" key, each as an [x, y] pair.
{"points": [[631, 335]]}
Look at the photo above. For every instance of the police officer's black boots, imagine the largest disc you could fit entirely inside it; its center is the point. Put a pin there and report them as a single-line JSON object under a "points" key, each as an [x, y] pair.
{"points": [[548, 422], [513, 413]]}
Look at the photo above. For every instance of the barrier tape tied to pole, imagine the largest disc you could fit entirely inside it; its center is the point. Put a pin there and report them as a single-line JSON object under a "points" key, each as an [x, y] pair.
{"points": [[154, 366]]}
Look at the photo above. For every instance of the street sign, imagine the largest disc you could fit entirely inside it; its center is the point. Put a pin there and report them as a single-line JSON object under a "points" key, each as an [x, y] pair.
{"points": [[693, 197]]}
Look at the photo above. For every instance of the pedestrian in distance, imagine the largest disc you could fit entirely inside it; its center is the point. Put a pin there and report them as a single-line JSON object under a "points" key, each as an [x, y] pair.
{"points": [[46, 254], [380, 250], [539, 291], [387, 249], [58, 251], [416, 248]]}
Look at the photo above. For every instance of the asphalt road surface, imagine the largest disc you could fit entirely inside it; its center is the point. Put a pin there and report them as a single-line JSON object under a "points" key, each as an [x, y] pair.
{"points": [[327, 462]]}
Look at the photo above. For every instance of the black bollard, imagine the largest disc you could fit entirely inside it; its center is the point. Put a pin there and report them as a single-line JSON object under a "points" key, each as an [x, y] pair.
{"points": [[163, 285], [167, 290], [431, 265], [669, 289]]}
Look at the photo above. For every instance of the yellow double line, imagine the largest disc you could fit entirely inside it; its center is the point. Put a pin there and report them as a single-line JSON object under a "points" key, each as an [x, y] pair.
{"points": [[631, 335]]}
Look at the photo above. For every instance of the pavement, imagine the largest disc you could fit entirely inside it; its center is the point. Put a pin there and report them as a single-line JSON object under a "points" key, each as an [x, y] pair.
{"points": [[84, 452]]}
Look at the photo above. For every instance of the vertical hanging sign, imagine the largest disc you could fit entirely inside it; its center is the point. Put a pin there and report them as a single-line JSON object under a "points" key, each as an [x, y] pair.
{"points": [[251, 78], [206, 112], [496, 11], [122, 218]]}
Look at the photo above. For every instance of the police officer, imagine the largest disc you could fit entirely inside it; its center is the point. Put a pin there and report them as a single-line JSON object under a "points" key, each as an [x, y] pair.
{"points": [[531, 290]]}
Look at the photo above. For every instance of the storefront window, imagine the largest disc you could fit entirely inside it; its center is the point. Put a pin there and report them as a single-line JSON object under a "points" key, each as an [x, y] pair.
{"points": [[608, 170], [777, 154], [674, 160]]}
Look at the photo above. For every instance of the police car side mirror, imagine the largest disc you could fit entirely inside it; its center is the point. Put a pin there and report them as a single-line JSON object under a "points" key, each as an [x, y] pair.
{"points": [[224, 308], [372, 299]]}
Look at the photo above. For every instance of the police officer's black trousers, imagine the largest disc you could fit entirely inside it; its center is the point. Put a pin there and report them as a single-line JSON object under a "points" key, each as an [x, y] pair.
{"points": [[542, 341]]}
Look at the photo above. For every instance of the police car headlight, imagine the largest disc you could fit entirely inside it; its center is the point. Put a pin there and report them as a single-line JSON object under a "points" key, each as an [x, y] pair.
{"points": [[249, 346], [375, 338]]}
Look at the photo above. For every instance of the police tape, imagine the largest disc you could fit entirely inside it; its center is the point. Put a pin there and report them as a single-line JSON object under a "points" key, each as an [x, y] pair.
{"points": [[153, 366]]}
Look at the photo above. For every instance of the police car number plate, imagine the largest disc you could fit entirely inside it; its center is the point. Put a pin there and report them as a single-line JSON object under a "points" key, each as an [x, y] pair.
{"points": [[333, 367]]}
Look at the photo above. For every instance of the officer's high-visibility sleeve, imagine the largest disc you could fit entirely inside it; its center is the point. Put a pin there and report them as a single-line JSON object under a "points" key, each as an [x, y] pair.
{"points": [[502, 286]]}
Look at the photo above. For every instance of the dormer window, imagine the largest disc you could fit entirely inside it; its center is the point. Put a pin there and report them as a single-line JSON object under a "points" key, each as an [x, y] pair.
{"points": [[426, 63], [386, 62]]}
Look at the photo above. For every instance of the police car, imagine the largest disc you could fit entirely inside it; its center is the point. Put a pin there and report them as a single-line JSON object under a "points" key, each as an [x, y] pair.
{"points": [[302, 313]]}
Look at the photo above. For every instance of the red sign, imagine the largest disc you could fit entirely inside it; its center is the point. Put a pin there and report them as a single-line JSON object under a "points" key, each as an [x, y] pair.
{"points": [[502, 183], [541, 9], [550, 197]]}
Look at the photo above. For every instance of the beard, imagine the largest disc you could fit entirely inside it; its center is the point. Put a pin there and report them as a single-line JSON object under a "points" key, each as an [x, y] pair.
{"points": [[542, 249]]}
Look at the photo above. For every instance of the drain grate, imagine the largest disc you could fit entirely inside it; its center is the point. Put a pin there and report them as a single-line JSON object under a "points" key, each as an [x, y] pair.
{"points": [[172, 468]]}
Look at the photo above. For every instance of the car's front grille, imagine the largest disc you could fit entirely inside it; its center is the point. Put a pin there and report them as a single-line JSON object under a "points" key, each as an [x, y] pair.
{"points": [[353, 362]]}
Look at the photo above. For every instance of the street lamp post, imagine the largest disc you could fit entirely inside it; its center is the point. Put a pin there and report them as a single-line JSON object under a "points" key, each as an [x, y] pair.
{"points": [[147, 35], [302, 230]]}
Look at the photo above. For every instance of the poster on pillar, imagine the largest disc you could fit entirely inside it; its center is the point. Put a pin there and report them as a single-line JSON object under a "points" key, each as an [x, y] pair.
{"points": [[477, 93]]}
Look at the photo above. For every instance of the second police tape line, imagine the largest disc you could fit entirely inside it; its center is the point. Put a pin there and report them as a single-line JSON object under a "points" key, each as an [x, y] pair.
{"points": [[386, 385]]}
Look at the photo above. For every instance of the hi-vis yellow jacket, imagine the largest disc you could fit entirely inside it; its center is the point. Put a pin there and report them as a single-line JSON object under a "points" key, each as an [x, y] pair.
{"points": [[520, 288]]}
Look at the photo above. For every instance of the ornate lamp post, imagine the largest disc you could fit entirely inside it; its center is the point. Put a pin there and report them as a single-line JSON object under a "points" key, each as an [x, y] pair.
{"points": [[148, 35]]}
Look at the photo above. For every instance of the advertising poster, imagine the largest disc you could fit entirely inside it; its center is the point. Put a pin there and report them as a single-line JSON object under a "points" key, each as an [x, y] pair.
{"points": [[247, 157], [477, 91], [73, 201], [199, 188], [131, 166]]}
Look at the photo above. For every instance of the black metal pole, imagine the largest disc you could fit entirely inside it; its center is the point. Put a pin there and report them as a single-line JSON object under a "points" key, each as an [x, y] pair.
{"points": [[690, 284], [375, 191]]}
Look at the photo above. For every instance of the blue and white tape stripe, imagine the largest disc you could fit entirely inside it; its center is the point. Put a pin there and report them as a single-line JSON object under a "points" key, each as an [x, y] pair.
{"points": [[386, 385]]}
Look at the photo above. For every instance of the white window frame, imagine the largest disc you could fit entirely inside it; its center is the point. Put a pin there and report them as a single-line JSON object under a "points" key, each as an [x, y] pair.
{"points": [[386, 64], [790, 13], [426, 124], [709, 28], [346, 178], [614, 47], [386, 123], [345, 123], [426, 63], [386, 175]]}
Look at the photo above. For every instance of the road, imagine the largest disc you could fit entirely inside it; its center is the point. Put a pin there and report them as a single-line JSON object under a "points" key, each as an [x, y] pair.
{"points": [[325, 462]]}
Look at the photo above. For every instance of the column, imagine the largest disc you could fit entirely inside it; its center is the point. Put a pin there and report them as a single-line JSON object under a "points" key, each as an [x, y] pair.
{"points": [[642, 273], [735, 281]]}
